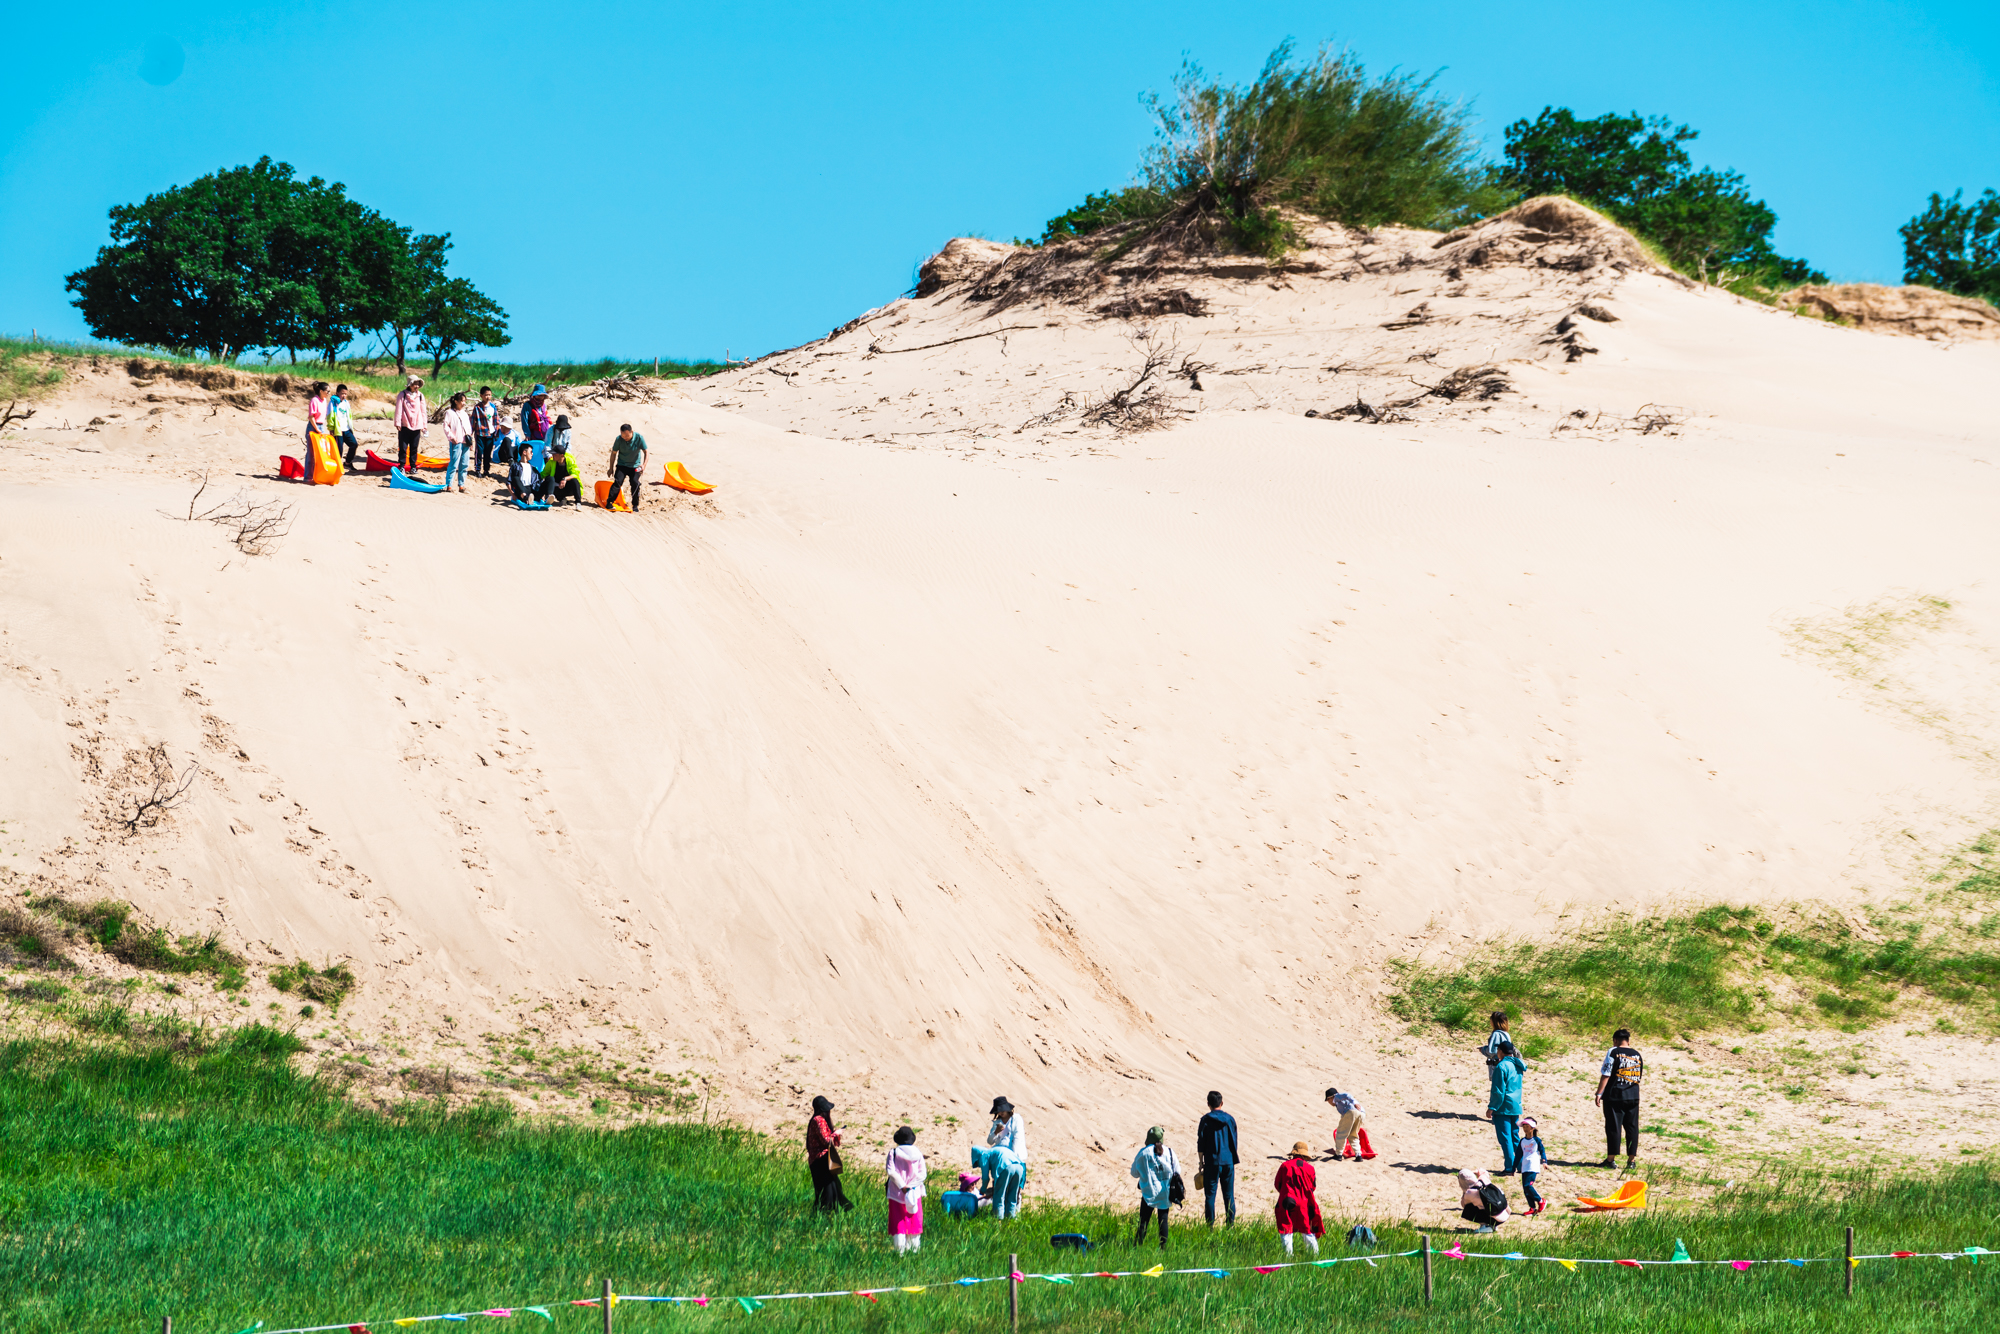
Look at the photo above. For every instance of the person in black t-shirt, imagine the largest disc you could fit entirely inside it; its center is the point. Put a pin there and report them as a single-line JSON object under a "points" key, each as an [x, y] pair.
{"points": [[1618, 1094]]}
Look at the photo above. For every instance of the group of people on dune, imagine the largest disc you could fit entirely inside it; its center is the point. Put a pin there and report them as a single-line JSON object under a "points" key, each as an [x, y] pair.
{"points": [[1001, 1162], [538, 458]]}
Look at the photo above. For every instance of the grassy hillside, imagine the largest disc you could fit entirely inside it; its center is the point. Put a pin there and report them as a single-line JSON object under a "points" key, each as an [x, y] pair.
{"points": [[29, 369], [212, 1184]]}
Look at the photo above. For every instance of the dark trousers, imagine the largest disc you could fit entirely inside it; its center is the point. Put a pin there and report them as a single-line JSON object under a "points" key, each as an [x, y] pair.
{"points": [[347, 439], [408, 438], [482, 455], [827, 1194], [566, 489], [618, 476], [1225, 1177], [1617, 1116], [1146, 1212]]}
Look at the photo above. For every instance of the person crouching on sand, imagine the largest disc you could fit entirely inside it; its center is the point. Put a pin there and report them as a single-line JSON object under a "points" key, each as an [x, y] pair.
{"points": [[1298, 1207], [904, 1185], [1351, 1130], [560, 479], [1480, 1201]]}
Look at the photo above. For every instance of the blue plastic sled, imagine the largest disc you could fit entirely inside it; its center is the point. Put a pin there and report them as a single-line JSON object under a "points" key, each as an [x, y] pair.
{"points": [[529, 504], [402, 482]]}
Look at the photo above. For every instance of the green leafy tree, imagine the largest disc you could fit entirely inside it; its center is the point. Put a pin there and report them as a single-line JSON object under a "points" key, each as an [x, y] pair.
{"points": [[399, 271], [1317, 135], [192, 268], [1635, 169], [458, 317], [1955, 246]]}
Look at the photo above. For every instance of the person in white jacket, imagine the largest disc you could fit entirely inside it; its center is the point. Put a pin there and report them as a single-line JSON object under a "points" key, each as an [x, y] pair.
{"points": [[904, 1185], [1155, 1167], [1008, 1130]]}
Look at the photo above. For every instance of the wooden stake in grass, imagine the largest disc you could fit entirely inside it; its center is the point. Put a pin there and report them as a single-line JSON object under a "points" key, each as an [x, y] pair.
{"points": [[607, 1306], [1014, 1293], [1849, 1266], [166, 1324], [1427, 1269]]}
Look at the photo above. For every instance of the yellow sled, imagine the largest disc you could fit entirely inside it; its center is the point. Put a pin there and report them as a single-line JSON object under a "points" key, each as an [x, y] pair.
{"points": [[679, 479]]}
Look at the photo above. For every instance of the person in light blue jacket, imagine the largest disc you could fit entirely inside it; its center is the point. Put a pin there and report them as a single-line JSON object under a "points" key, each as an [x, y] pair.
{"points": [[1155, 1168], [1503, 1104]]}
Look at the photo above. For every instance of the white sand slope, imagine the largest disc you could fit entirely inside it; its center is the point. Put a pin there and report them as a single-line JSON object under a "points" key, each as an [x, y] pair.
{"points": [[928, 759]]}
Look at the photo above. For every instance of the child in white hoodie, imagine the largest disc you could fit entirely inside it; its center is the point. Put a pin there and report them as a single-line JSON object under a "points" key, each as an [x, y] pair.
{"points": [[905, 1188]]}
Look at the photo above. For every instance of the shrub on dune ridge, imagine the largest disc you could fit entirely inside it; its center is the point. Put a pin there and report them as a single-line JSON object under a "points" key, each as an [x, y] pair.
{"points": [[1318, 136]]}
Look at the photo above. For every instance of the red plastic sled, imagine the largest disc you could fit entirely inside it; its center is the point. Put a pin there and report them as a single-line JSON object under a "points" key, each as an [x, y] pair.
{"points": [[290, 467], [376, 463]]}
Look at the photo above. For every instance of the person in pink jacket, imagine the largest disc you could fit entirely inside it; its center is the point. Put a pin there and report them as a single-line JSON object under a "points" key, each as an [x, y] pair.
{"points": [[413, 417], [903, 1182]]}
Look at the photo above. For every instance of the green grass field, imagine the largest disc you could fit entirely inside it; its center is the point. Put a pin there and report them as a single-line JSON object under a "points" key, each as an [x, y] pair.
{"points": [[216, 1186], [31, 369]]}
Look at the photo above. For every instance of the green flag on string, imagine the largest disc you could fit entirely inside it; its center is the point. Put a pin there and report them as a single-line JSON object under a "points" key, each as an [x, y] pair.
{"points": [[1681, 1256], [541, 1311], [750, 1304]]}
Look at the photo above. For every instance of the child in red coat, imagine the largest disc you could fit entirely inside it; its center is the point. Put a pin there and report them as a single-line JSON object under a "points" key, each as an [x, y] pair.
{"points": [[1298, 1210]]}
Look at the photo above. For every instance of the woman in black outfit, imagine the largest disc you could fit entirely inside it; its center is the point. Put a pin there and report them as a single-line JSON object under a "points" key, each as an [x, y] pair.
{"points": [[823, 1157]]}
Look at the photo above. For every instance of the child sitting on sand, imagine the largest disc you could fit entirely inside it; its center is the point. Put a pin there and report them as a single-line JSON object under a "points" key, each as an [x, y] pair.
{"points": [[904, 1185], [1480, 1201], [1533, 1153], [1298, 1207]]}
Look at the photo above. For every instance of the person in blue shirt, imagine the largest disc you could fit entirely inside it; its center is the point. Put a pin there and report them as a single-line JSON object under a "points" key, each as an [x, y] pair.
{"points": [[1216, 1148], [1503, 1104]]}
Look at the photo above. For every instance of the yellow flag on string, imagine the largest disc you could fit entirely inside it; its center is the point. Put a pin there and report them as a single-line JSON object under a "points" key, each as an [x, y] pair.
{"points": [[918, 1288], [406, 1321], [1155, 1271], [1853, 1261], [1568, 1264]]}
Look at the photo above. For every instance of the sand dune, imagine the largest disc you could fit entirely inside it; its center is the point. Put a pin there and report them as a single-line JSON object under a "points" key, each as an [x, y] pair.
{"points": [[942, 752]]}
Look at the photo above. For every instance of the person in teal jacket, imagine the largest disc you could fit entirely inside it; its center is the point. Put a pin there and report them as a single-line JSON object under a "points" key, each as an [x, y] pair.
{"points": [[1503, 1104]]}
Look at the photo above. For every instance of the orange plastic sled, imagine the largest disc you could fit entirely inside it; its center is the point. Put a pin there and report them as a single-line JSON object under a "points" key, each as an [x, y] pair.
{"points": [[618, 506], [680, 479], [324, 460], [1631, 1195], [433, 463]]}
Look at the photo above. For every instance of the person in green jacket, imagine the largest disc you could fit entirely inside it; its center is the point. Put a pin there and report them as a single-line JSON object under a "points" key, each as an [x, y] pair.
{"points": [[1503, 1104], [560, 478]]}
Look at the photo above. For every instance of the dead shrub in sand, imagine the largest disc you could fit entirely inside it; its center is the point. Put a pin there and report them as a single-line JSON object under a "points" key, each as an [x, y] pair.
{"points": [[150, 804], [1142, 404], [255, 526]]}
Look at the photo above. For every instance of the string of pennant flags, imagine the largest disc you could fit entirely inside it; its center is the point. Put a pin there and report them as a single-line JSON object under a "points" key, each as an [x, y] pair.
{"points": [[754, 1303]]}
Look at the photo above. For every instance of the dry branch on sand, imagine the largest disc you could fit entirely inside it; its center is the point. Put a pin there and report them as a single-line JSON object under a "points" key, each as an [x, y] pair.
{"points": [[168, 791], [1142, 405], [1475, 383], [14, 413], [255, 526]]}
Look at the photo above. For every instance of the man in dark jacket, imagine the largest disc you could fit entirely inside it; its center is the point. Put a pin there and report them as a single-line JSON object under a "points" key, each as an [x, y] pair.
{"points": [[1215, 1145]]}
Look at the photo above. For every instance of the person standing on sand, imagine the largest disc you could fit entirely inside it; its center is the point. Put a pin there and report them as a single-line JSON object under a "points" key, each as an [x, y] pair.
{"points": [[1003, 1167], [1618, 1094], [628, 459], [485, 430], [535, 419], [413, 418], [1156, 1170], [458, 441], [1217, 1153], [903, 1182], [315, 419], [1008, 1130], [1298, 1206], [340, 423], [823, 1159], [1503, 1105], [1351, 1128]]}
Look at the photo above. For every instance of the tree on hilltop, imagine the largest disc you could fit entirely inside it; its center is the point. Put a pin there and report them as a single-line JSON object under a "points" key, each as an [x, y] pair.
{"points": [[1635, 170], [1955, 246]]}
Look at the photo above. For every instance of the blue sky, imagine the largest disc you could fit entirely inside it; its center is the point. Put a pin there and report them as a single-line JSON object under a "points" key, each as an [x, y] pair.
{"points": [[674, 180]]}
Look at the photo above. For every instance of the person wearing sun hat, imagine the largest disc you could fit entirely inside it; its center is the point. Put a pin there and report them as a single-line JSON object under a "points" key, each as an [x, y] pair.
{"points": [[537, 420], [413, 418], [1298, 1207], [1533, 1153]]}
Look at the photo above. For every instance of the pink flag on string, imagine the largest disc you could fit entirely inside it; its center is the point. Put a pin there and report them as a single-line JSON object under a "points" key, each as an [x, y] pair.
{"points": [[1739, 1265]]}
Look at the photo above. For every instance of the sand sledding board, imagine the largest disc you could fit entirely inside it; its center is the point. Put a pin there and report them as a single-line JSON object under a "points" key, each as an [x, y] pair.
{"points": [[325, 460], [402, 481], [680, 479], [529, 504]]}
